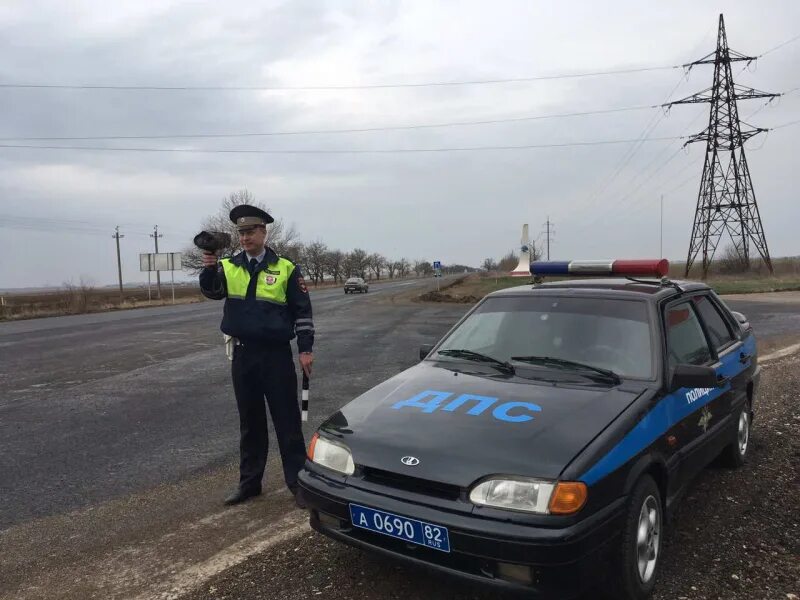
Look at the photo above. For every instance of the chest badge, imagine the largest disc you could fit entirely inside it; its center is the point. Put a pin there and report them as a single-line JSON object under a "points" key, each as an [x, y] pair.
{"points": [[270, 279]]}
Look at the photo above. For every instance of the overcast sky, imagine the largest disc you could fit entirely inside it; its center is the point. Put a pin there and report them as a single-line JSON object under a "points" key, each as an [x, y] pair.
{"points": [[59, 207]]}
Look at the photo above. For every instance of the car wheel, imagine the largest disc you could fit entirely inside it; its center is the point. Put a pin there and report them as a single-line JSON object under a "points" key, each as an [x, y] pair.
{"points": [[735, 453], [638, 551]]}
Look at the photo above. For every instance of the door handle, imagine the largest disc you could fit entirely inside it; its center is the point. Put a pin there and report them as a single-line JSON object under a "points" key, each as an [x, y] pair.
{"points": [[744, 358], [722, 380]]}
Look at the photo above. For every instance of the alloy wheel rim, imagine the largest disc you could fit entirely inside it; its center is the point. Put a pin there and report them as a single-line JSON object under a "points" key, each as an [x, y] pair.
{"points": [[648, 538], [744, 431]]}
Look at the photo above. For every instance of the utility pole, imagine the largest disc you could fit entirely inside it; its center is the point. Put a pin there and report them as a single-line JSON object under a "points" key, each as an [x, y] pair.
{"points": [[119, 262], [661, 230], [726, 201], [155, 235]]}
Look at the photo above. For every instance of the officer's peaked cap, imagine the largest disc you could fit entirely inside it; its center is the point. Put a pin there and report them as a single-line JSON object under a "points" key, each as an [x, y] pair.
{"points": [[246, 216]]}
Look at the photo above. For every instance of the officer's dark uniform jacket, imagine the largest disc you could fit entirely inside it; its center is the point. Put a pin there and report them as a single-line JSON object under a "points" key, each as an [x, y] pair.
{"points": [[269, 307]]}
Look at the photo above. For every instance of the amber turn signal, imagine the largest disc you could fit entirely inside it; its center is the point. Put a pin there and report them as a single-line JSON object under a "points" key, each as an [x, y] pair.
{"points": [[568, 497], [311, 444]]}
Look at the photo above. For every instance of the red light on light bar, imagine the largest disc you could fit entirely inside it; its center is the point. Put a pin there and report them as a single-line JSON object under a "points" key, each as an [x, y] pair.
{"points": [[643, 268]]}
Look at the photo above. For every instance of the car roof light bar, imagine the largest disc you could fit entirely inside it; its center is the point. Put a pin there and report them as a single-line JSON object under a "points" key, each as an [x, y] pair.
{"points": [[656, 267]]}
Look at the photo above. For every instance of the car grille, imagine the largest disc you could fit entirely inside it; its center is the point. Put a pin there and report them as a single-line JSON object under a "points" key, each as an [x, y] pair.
{"points": [[412, 484]]}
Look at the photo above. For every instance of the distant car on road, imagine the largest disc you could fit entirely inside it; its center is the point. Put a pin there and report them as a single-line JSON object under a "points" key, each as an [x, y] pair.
{"points": [[540, 444], [355, 284]]}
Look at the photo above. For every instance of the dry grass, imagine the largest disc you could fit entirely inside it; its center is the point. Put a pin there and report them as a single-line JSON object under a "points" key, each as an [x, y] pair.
{"points": [[73, 300], [80, 299], [786, 278]]}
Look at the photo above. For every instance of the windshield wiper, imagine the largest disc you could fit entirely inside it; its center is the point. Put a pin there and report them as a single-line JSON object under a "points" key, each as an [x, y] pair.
{"points": [[563, 362], [477, 356]]}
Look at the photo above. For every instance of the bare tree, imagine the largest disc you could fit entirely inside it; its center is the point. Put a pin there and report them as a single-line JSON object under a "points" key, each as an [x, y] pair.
{"points": [[334, 264], [314, 256], [377, 263], [508, 262], [76, 297], [282, 237], [391, 267], [292, 250], [731, 262], [357, 263], [403, 267], [489, 264]]}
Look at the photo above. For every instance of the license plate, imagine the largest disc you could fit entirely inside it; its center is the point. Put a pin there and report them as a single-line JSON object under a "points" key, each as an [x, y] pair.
{"points": [[403, 528]]}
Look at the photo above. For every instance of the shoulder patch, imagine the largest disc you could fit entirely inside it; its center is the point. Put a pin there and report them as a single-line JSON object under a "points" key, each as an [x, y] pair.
{"points": [[301, 283]]}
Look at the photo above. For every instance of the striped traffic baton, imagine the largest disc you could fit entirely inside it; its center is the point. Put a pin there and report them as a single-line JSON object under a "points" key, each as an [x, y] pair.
{"points": [[304, 397]]}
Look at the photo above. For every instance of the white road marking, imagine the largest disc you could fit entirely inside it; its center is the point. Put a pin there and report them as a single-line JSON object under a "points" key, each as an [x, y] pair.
{"points": [[194, 576]]}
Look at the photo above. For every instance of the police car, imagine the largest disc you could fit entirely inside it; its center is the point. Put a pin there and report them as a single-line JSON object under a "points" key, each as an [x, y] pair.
{"points": [[540, 444]]}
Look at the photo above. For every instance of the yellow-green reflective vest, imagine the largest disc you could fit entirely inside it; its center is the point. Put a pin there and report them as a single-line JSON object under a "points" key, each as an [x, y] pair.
{"points": [[256, 307], [270, 285]]}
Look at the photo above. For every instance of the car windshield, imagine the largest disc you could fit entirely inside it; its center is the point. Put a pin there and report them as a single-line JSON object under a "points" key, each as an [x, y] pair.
{"points": [[353, 280], [604, 333]]}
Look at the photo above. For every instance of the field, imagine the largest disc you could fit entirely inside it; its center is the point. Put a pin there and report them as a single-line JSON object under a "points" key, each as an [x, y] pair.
{"points": [[786, 278], [80, 299]]}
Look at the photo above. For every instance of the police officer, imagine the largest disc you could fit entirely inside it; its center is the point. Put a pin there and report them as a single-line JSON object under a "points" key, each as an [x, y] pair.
{"points": [[266, 305]]}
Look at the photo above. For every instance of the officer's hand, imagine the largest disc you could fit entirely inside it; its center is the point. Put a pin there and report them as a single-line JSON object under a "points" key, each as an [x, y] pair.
{"points": [[209, 259], [306, 360]]}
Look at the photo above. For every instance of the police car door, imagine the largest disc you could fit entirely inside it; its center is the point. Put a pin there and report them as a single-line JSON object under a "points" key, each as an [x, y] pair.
{"points": [[734, 360], [696, 411]]}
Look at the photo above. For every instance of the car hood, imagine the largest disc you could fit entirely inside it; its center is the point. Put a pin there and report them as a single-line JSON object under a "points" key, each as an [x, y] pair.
{"points": [[462, 426]]}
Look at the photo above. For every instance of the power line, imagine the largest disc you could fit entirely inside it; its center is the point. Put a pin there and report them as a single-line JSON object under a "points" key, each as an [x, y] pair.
{"points": [[325, 151], [629, 154], [790, 123], [781, 45], [311, 88], [314, 88], [651, 175], [334, 131], [376, 128], [638, 141]]}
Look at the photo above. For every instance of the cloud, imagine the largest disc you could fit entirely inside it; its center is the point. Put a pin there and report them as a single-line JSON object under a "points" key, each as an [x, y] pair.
{"points": [[455, 207]]}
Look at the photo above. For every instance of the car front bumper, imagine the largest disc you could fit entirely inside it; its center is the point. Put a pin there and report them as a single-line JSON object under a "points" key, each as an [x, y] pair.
{"points": [[557, 562]]}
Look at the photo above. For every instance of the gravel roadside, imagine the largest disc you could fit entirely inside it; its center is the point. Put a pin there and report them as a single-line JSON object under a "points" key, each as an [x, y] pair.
{"points": [[734, 535]]}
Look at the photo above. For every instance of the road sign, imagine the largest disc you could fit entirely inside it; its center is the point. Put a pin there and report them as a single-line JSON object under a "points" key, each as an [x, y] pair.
{"points": [[437, 264], [161, 261]]}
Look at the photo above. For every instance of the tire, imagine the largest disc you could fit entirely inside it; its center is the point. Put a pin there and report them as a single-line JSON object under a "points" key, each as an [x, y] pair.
{"points": [[734, 454], [345, 291], [634, 569]]}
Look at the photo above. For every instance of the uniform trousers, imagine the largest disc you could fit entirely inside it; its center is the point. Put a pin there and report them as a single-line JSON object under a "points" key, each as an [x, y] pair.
{"points": [[259, 372]]}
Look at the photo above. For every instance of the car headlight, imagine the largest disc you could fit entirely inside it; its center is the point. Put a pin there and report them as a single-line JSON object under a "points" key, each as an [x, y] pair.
{"points": [[531, 495], [333, 455]]}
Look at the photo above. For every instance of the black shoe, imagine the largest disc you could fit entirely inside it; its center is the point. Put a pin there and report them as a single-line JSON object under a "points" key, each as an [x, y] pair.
{"points": [[242, 495], [298, 498]]}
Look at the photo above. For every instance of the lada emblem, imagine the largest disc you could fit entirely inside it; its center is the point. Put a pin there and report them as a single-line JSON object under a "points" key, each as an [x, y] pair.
{"points": [[410, 461]]}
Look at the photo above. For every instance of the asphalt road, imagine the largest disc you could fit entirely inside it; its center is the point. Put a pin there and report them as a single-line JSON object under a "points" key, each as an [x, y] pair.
{"points": [[118, 436], [96, 406]]}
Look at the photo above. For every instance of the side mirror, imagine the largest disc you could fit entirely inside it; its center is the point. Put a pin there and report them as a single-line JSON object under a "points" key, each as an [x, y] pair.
{"points": [[694, 376], [424, 350], [739, 317]]}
